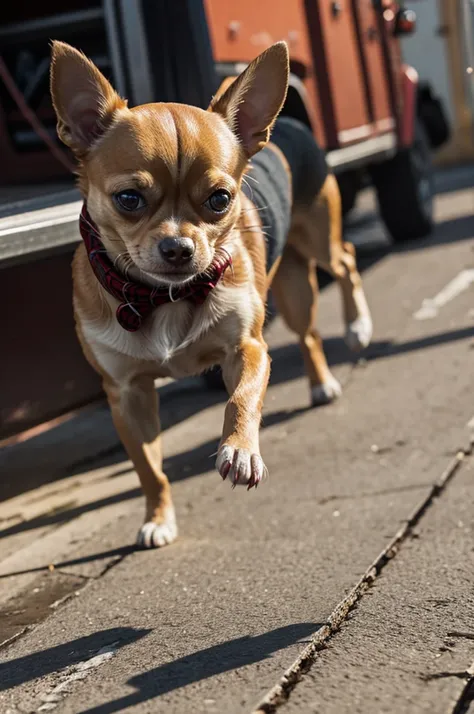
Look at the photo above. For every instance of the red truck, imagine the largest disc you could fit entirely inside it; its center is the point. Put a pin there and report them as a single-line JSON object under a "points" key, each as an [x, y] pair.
{"points": [[348, 83]]}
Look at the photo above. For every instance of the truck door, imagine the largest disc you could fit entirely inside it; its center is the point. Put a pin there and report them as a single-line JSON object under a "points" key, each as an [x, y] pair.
{"points": [[374, 64], [339, 71]]}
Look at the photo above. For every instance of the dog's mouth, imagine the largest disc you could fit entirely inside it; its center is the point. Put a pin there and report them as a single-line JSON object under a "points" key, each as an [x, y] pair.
{"points": [[171, 277], [178, 276]]}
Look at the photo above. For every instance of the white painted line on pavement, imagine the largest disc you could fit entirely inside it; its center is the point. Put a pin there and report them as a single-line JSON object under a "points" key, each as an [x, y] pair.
{"points": [[431, 306]]}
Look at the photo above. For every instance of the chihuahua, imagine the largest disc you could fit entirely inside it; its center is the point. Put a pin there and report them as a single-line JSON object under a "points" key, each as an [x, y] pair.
{"points": [[176, 261]]}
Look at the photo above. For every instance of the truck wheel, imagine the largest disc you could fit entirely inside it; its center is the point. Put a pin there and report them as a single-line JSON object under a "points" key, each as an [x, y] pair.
{"points": [[405, 190], [348, 188]]}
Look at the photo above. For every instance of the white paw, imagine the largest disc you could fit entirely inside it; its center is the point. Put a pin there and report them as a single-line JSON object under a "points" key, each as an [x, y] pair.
{"points": [[156, 535], [241, 466], [359, 333], [325, 393]]}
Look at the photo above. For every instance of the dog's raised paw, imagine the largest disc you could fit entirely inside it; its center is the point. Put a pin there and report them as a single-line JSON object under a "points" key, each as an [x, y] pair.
{"points": [[156, 535], [359, 333], [241, 466], [325, 393]]}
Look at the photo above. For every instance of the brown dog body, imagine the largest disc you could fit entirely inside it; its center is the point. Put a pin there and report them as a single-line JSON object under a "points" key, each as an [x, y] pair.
{"points": [[176, 159]]}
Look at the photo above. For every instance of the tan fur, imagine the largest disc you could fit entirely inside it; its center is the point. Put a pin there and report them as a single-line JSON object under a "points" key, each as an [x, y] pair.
{"points": [[176, 156]]}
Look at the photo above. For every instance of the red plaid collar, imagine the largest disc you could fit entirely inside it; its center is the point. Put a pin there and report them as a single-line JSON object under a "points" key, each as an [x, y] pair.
{"points": [[138, 300]]}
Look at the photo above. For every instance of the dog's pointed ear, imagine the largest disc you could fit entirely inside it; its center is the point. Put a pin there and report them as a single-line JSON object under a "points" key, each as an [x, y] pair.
{"points": [[84, 101], [253, 101]]}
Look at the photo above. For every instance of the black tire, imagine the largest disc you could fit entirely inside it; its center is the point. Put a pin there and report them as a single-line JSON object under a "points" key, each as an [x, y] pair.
{"points": [[432, 113], [349, 187], [405, 190]]}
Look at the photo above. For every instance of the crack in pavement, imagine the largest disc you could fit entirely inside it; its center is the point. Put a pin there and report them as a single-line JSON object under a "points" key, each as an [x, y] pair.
{"points": [[464, 635], [371, 494], [463, 674], [281, 692]]}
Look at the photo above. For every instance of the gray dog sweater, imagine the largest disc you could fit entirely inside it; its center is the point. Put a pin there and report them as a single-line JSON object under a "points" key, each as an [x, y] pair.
{"points": [[268, 186]]}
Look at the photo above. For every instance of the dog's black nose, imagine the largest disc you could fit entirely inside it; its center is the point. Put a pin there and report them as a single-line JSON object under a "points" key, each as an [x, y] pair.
{"points": [[177, 251]]}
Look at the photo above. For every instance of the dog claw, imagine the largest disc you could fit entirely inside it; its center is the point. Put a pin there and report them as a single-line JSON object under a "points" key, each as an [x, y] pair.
{"points": [[242, 467], [157, 535], [225, 469]]}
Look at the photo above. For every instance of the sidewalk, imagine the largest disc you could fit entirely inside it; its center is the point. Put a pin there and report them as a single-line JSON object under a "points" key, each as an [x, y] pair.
{"points": [[211, 623]]}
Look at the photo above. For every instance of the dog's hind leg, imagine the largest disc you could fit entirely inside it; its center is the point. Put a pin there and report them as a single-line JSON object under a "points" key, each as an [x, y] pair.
{"points": [[356, 311], [134, 406], [295, 290], [317, 234]]}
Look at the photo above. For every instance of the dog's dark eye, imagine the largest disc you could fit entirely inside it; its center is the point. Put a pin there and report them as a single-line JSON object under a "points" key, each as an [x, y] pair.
{"points": [[219, 201], [129, 200]]}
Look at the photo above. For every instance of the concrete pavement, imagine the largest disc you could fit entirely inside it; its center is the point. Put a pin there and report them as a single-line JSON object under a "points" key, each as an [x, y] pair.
{"points": [[259, 583], [408, 646]]}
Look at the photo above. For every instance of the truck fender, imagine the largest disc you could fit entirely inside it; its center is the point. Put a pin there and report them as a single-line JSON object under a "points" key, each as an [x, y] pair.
{"points": [[409, 91]]}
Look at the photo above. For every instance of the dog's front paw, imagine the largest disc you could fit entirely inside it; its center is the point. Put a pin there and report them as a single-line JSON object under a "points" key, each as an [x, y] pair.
{"points": [[325, 393], [156, 535], [241, 466]]}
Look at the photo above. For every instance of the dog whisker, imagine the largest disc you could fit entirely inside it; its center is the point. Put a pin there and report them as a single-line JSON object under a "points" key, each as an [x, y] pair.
{"points": [[248, 186], [95, 230], [251, 178], [262, 208]]}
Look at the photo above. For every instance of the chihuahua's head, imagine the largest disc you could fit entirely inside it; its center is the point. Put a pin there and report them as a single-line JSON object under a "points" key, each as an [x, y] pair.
{"points": [[162, 181]]}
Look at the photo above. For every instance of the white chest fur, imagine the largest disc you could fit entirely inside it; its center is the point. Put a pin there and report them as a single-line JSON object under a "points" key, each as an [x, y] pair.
{"points": [[173, 327]]}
